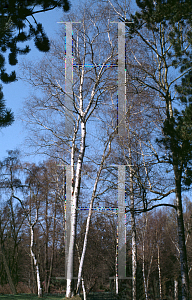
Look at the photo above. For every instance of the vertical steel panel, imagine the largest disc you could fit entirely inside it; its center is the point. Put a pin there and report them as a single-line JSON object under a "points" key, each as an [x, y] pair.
{"points": [[68, 213], [121, 224], [68, 81], [121, 80]]}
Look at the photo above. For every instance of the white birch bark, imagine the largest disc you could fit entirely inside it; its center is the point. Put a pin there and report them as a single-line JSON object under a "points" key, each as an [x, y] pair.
{"points": [[143, 270], [159, 271], [74, 211], [104, 157], [133, 227], [133, 233], [116, 273], [134, 255], [83, 285], [84, 115], [175, 289], [75, 193], [146, 278], [86, 94], [39, 289], [31, 225], [133, 238], [143, 258]]}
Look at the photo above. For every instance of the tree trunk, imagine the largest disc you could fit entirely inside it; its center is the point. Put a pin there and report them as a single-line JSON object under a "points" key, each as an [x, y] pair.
{"points": [[46, 246], [175, 289], [181, 234], [11, 284], [39, 289], [53, 245], [116, 272], [90, 212], [143, 269], [83, 286], [146, 278], [159, 270], [33, 277], [134, 246], [183, 252], [133, 227], [75, 197]]}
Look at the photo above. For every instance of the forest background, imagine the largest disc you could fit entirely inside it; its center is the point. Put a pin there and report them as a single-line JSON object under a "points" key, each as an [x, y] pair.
{"points": [[151, 236]]}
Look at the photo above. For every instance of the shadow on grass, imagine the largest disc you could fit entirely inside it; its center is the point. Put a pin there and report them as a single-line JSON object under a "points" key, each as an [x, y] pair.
{"points": [[102, 296]]}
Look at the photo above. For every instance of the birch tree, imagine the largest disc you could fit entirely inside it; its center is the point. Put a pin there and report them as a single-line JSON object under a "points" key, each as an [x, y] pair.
{"points": [[12, 183], [103, 160], [36, 265], [32, 215], [139, 104], [92, 85], [30, 204], [11, 219], [167, 40], [48, 179]]}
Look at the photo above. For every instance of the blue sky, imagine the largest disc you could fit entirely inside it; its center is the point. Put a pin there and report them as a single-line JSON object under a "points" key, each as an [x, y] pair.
{"points": [[15, 93], [13, 136]]}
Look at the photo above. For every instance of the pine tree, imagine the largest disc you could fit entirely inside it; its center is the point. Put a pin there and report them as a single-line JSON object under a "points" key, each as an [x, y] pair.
{"points": [[173, 17], [6, 116], [13, 20]]}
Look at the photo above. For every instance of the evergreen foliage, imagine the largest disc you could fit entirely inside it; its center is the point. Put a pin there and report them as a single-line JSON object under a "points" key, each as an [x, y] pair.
{"points": [[13, 30], [6, 116], [174, 15]]}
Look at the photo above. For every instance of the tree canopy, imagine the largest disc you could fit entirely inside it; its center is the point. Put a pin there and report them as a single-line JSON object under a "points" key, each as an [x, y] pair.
{"points": [[164, 28], [16, 28]]}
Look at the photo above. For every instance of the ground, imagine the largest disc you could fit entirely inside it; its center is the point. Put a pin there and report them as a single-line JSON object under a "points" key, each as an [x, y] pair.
{"points": [[91, 296]]}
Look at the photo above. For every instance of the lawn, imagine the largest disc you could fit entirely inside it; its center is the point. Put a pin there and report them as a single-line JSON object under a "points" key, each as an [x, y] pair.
{"points": [[29, 296], [91, 296]]}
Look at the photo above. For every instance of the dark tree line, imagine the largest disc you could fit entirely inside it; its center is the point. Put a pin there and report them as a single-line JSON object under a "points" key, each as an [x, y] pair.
{"points": [[171, 20], [27, 187]]}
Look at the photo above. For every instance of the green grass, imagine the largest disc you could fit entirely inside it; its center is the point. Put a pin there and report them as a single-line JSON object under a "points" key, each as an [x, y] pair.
{"points": [[28, 297], [91, 296]]}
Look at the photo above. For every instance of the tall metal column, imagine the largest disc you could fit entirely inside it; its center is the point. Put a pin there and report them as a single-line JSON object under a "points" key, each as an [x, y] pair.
{"points": [[121, 224], [68, 81], [121, 80], [67, 213]]}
